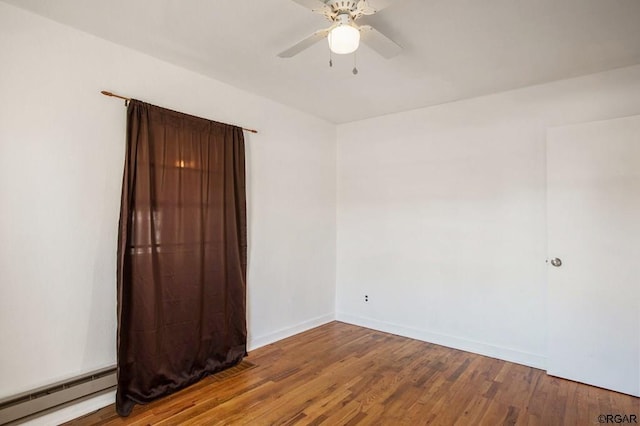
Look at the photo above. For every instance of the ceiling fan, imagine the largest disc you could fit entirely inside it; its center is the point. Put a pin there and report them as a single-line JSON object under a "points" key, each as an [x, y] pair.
{"points": [[344, 34]]}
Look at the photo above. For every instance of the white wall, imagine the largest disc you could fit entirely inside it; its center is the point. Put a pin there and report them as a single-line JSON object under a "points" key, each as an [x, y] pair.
{"points": [[440, 210], [61, 158], [441, 214]]}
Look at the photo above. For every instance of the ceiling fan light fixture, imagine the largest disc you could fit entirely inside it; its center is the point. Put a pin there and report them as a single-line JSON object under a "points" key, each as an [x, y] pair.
{"points": [[344, 39]]}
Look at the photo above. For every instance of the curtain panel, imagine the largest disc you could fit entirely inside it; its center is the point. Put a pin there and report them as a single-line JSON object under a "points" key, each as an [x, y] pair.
{"points": [[182, 253]]}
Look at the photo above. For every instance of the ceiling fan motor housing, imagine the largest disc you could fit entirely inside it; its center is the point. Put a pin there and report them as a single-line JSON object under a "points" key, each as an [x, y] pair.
{"points": [[342, 6]]}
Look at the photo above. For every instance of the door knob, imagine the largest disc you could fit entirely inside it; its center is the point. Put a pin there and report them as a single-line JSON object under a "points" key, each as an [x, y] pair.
{"points": [[556, 262]]}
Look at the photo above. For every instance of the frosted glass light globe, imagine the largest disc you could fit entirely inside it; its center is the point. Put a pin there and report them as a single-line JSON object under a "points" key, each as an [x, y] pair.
{"points": [[344, 39]]}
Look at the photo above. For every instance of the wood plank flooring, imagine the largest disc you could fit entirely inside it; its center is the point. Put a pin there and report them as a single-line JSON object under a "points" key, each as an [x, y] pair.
{"points": [[340, 374]]}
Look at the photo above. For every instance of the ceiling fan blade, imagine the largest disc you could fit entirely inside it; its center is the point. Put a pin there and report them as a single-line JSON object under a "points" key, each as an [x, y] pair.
{"points": [[305, 44], [379, 42], [317, 6], [364, 8]]}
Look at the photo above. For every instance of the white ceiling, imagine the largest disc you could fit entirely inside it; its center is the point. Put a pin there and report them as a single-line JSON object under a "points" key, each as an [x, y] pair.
{"points": [[453, 49]]}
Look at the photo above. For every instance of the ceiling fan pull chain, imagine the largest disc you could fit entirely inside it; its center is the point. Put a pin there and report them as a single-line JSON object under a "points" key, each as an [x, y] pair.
{"points": [[355, 68], [330, 58]]}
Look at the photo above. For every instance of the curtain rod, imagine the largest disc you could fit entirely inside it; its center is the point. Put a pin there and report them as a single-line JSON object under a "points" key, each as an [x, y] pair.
{"points": [[104, 92]]}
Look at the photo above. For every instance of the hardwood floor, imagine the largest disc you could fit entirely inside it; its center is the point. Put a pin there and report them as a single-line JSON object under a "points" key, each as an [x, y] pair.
{"points": [[340, 374]]}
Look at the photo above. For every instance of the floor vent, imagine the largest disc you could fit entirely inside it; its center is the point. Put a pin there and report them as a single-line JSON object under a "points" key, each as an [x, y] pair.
{"points": [[48, 397]]}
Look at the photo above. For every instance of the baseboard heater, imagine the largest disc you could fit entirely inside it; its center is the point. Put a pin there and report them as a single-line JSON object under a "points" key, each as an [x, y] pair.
{"points": [[56, 395]]}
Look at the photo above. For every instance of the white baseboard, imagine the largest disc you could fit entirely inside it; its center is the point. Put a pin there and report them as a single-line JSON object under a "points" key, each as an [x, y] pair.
{"points": [[100, 401], [532, 360], [283, 333], [505, 354], [73, 411]]}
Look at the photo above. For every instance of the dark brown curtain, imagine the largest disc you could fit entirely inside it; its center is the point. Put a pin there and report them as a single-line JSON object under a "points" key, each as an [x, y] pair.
{"points": [[181, 253]]}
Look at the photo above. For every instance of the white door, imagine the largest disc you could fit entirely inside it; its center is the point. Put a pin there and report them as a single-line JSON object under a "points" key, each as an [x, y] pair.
{"points": [[593, 227]]}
